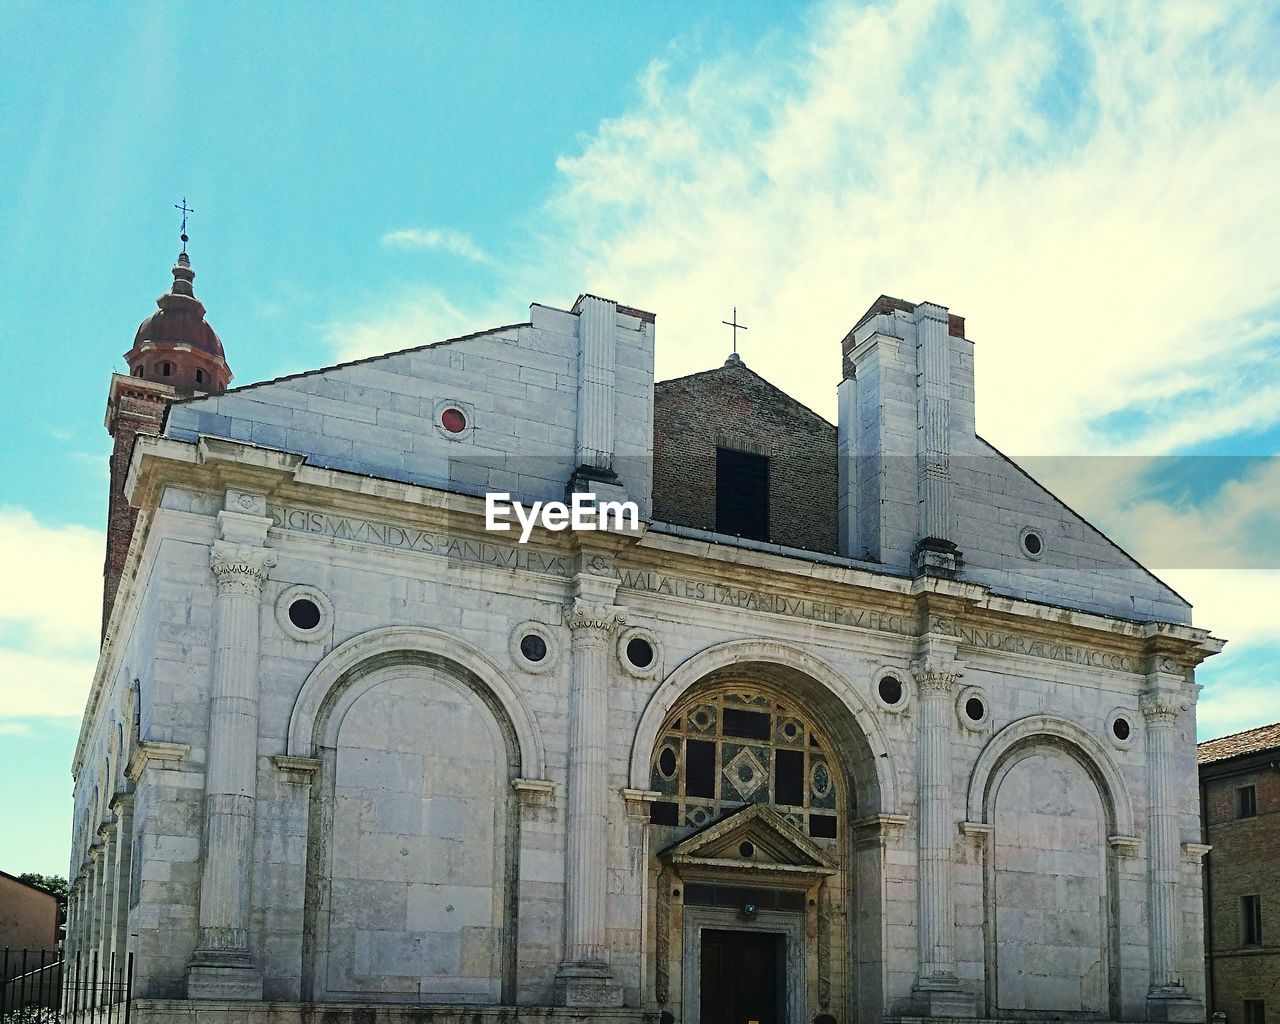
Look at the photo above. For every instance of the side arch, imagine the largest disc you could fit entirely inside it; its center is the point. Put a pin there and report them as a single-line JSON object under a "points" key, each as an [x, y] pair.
{"points": [[773, 654], [380, 647], [1086, 747]]}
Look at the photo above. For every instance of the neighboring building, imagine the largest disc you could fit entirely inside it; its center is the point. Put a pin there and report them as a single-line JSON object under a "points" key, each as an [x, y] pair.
{"points": [[29, 919], [860, 723], [1240, 808]]}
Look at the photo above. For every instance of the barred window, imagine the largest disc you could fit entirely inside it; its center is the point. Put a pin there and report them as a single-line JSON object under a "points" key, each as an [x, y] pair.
{"points": [[733, 748]]}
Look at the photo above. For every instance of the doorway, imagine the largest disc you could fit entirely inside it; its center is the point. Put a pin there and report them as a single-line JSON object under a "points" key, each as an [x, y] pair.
{"points": [[740, 977]]}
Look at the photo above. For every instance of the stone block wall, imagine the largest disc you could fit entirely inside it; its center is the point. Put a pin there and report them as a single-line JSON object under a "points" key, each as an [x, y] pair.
{"points": [[518, 388]]}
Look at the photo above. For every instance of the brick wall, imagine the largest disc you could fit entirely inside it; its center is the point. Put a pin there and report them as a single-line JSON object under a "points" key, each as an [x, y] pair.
{"points": [[1245, 860], [734, 407], [137, 407]]}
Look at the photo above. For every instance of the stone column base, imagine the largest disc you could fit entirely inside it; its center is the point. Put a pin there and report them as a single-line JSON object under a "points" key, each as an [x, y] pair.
{"points": [[1173, 1004], [943, 997], [586, 985], [223, 974]]}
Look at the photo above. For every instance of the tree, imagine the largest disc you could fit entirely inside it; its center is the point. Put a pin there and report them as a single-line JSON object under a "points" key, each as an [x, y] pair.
{"points": [[54, 885]]}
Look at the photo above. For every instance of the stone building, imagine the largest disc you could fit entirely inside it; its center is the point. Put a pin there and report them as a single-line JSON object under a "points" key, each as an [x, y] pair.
{"points": [[857, 722], [1240, 807]]}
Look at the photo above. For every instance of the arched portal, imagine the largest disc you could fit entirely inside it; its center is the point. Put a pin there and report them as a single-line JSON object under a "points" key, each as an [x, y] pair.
{"points": [[412, 834], [768, 792]]}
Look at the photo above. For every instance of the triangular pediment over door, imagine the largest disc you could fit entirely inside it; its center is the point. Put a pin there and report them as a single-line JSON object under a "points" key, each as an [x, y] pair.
{"points": [[754, 844]]}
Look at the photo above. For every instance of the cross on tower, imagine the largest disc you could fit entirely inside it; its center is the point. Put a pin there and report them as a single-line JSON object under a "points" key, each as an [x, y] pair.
{"points": [[185, 210], [736, 327]]}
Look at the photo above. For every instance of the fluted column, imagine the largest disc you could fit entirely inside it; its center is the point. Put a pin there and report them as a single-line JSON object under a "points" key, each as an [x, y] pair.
{"points": [[222, 967], [584, 979], [938, 992], [1163, 708]]}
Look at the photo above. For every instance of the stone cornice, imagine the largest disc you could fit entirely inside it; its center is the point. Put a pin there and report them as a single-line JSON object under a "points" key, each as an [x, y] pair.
{"points": [[299, 770], [167, 754], [1125, 846]]}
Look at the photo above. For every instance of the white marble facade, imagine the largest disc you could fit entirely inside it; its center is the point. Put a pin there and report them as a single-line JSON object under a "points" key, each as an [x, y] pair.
{"points": [[390, 801]]}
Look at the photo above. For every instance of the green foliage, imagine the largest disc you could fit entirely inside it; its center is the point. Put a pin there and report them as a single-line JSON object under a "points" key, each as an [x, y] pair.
{"points": [[55, 885]]}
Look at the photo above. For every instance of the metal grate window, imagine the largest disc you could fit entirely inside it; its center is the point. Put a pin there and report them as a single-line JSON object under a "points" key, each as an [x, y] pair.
{"points": [[738, 747], [742, 494]]}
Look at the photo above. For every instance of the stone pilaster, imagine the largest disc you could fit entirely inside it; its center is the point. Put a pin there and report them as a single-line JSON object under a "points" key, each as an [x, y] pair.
{"points": [[122, 804], [93, 920], [222, 966], [937, 991], [106, 905], [1163, 706], [935, 552], [584, 978], [597, 339]]}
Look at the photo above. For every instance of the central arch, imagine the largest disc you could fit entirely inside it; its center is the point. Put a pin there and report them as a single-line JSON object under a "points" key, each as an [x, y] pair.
{"points": [[825, 899], [831, 697]]}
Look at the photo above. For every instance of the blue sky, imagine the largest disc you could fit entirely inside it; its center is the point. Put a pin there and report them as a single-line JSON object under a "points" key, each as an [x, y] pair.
{"points": [[1089, 184]]}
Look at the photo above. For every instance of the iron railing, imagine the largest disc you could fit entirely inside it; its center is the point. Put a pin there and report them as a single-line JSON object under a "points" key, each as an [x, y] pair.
{"points": [[42, 986]]}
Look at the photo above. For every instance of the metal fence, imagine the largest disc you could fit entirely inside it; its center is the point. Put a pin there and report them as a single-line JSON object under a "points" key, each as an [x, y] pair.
{"points": [[41, 986]]}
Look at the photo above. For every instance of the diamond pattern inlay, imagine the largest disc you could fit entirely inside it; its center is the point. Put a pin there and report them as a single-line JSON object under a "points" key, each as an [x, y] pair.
{"points": [[745, 774]]}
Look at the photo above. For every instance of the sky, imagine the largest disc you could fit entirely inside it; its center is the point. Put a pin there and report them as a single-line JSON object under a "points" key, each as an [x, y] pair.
{"points": [[1091, 185]]}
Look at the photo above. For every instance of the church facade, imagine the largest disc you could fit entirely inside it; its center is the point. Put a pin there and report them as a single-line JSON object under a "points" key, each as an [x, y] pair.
{"points": [[858, 723]]}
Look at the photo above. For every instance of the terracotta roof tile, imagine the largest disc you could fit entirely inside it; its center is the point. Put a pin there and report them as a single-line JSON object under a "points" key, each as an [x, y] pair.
{"points": [[1251, 741]]}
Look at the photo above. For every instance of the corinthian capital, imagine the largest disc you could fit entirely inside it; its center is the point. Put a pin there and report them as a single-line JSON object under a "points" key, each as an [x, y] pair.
{"points": [[240, 568], [601, 618], [936, 675], [1162, 708]]}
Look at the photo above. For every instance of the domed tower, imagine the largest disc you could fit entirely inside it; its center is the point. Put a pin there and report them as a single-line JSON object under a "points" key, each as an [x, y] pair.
{"points": [[175, 354], [175, 345]]}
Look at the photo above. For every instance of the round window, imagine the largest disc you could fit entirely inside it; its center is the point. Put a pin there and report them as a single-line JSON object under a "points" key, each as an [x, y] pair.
{"points": [[533, 647], [640, 652], [1120, 729], [304, 613], [667, 762], [890, 688], [975, 709], [747, 850], [453, 420], [1032, 543]]}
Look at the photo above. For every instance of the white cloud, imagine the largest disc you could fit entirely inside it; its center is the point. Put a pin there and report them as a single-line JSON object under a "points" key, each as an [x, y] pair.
{"points": [[49, 615], [427, 317], [1092, 189], [1241, 694], [455, 242]]}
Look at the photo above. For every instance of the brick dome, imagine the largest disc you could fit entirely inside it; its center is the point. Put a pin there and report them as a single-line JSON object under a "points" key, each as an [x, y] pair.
{"points": [[176, 345]]}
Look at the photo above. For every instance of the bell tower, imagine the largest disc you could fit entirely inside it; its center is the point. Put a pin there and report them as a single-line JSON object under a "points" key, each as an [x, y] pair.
{"points": [[175, 354]]}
